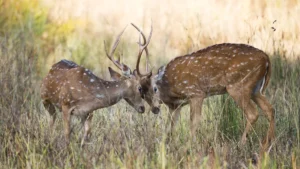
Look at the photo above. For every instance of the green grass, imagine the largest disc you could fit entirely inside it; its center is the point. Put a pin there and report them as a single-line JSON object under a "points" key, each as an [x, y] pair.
{"points": [[122, 138]]}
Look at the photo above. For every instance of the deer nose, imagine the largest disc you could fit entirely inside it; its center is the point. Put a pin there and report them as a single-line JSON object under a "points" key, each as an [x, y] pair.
{"points": [[155, 110], [141, 109]]}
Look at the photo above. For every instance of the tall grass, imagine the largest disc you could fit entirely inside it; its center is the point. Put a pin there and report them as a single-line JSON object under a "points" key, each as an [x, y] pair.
{"points": [[121, 138]]}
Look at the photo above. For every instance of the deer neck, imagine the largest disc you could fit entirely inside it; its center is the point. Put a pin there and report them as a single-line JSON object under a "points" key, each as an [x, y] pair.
{"points": [[104, 93], [112, 92], [166, 95]]}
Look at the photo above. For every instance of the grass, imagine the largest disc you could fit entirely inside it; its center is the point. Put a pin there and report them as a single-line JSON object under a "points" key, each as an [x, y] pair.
{"points": [[122, 138]]}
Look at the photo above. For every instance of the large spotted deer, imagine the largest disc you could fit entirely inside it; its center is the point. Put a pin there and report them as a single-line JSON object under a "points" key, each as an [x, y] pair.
{"points": [[75, 90], [240, 70]]}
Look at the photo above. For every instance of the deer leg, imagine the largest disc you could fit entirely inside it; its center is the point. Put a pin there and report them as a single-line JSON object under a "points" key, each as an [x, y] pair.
{"points": [[244, 102], [87, 129], [66, 118], [195, 114], [51, 109], [267, 108], [173, 118]]}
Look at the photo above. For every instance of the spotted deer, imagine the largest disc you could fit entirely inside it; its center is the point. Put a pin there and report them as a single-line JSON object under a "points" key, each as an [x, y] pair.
{"points": [[75, 90], [240, 70]]}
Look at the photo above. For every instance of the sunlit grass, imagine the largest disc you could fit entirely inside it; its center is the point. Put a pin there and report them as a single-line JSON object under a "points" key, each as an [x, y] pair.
{"points": [[31, 41]]}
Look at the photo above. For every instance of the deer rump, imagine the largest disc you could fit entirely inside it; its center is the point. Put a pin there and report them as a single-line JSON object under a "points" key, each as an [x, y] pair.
{"points": [[54, 80]]}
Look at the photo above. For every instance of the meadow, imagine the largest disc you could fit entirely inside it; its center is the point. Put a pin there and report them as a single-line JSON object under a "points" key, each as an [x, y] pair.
{"points": [[36, 34]]}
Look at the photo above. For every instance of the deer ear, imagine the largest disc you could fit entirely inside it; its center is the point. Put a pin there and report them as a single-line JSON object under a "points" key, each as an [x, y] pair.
{"points": [[126, 71], [114, 75]]}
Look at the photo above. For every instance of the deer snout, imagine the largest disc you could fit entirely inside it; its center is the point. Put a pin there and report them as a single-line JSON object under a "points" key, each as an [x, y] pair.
{"points": [[141, 109], [155, 110]]}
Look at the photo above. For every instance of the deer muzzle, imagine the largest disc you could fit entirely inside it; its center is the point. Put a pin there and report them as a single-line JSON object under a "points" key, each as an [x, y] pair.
{"points": [[155, 110], [141, 109]]}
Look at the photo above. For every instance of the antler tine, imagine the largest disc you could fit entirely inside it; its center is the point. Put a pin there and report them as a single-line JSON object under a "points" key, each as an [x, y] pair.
{"points": [[142, 48], [146, 50], [110, 56]]}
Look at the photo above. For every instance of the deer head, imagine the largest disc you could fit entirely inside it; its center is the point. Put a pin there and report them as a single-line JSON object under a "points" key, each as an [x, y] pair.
{"points": [[132, 77], [149, 89]]}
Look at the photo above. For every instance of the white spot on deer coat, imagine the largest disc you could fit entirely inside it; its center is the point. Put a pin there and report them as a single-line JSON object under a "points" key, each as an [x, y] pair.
{"points": [[99, 95], [92, 80]]}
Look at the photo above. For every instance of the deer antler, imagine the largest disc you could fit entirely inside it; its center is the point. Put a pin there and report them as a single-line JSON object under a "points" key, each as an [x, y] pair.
{"points": [[121, 66], [142, 47]]}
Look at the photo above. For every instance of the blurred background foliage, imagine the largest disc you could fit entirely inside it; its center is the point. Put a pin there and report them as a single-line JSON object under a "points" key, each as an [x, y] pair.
{"points": [[27, 21], [74, 29]]}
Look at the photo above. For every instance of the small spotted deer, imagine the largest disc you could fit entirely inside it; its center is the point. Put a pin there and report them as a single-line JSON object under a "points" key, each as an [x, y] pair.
{"points": [[240, 70], [75, 90]]}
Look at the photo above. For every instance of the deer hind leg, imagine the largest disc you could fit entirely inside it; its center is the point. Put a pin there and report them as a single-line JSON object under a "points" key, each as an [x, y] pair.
{"points": [[195, 115], [87, 130], [242, 97], [267, 108], [51, 109]]}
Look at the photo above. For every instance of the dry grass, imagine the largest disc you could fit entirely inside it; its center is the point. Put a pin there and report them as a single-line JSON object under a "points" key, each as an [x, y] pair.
{"points": [[31, 41]]}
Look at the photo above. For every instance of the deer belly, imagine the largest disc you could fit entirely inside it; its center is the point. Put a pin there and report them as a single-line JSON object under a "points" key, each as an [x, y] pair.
{"points": [[81, 110], [84, 108], [215, 90]]}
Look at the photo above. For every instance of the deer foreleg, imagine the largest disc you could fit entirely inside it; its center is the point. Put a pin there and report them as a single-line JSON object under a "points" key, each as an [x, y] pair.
{"points": [[87, 128], [195, 115]]}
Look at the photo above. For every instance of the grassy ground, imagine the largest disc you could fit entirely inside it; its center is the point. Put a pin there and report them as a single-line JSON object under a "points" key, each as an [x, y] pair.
{"points": [[122, 138], [125, 139]]}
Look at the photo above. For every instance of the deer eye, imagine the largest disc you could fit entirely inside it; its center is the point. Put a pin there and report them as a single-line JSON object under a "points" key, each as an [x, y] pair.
{"points": [[140, 89], [155, 89]]}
